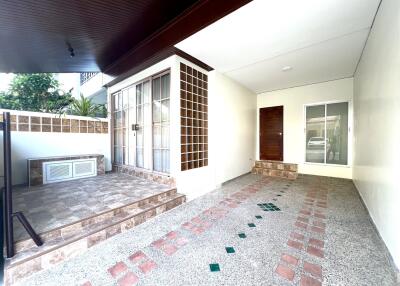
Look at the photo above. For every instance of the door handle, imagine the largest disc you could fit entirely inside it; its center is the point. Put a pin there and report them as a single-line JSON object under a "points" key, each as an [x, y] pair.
{"points": [[280, 133]]}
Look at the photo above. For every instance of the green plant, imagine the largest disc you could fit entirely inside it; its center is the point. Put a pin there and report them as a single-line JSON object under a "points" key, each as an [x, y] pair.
{"points": [[35, 92], [85, 107]]}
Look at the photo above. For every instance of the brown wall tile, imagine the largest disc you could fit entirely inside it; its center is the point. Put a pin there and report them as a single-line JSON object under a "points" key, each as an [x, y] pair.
{"points": [[46, 128], [35, 127], [35, 120], [46, 120], [23, 119], [23, 127], [56, 121]]}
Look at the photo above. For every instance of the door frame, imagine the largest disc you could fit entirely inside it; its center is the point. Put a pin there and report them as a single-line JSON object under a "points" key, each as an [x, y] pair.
{"points": [[283, 130]]}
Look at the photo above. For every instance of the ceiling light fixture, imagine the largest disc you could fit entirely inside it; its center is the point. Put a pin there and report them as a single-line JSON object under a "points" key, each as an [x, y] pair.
{"points": [[286, 68]]}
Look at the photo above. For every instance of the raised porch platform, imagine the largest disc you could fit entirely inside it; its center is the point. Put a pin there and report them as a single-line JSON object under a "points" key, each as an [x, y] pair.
{"points": [[73, 216]]}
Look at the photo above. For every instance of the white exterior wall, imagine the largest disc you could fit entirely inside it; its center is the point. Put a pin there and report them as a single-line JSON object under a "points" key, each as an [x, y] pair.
{"points": [[232, 113], [377, 125], [95, 84], [232, 130], [293, 101], [25, 145]]}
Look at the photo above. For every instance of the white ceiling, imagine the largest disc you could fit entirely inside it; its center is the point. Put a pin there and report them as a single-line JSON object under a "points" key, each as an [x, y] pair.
{"points": [[320, 40]]}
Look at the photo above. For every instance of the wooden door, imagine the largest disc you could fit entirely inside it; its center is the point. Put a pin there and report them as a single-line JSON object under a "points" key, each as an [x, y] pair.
{"points": [[271, 133]]}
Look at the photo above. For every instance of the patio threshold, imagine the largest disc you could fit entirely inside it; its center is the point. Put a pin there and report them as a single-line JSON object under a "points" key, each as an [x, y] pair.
{"points": [[71, 239]]}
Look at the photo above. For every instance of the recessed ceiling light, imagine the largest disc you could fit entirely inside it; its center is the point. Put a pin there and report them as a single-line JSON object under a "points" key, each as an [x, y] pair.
{"points": [[286, 68]]}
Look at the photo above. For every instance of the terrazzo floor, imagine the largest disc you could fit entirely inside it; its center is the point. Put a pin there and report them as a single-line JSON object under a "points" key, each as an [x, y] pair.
{"points": [[53, 205], [252, 231]]}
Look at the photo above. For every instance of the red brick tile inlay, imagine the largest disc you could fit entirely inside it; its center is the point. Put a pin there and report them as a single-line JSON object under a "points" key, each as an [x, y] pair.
{"points": [[318, 215], [304, 212], [171, 235], [316, 242], [181, 241], [147, 266], [303, 219], [169, 249], [315, 251], [289, 259], [319, 223], [313, 269], [137, 256], [128, 280], [295, 244], [300, 224], [297, 236], [308, 281], [117, 269], [318, 229], [285, 272], [158, 243]]}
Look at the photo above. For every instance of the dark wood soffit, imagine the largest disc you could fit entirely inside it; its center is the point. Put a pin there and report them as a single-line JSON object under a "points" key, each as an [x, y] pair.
{"points": [[166, 53], [197, 17]]}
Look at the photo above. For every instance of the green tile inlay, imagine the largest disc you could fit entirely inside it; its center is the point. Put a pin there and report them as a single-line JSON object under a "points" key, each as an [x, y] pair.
{"points": [[230, 249], [242, 235], [269, 207], [214, 267], [258, 217], [251, 225]]}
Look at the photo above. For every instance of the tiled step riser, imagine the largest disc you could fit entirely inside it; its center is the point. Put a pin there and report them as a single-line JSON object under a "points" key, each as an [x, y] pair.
{"points": [[275, 169], [65, 231], [275, 173], [19, 271]]}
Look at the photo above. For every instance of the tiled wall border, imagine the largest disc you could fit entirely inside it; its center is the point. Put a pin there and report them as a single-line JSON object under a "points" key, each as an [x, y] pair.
{"points": [[37, 123]]}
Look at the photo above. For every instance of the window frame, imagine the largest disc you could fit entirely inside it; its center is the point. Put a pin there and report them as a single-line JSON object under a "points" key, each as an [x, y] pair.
{"points": [[112, 96], [349, 133]]}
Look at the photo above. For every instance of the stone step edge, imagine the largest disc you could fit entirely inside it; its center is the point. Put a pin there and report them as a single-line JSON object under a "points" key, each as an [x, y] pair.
{"points": [[286, 174], [10, 265], [51, 234], [276, 165]]}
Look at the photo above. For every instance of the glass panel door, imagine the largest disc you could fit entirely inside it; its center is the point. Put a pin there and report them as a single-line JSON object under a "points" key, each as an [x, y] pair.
{"points": [[315, 134], [143, 120], [161, 113], [337, 133]]}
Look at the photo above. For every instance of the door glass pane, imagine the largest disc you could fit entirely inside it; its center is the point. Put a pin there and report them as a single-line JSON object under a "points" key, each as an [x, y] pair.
{"points": [[125, 99], [165, 137], [337, 133], [146, 92], [156, 111], [156, 89], [156, 137], [315, 134], [139, 94], [165, 110], [139, 157], [165, 161], [157, 160], [165, 86]]}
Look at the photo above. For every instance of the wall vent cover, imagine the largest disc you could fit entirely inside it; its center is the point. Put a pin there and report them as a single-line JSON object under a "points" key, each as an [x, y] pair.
{"points": [[58, 171]]}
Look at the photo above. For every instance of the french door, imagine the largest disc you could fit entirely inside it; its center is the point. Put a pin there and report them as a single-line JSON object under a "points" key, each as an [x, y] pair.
{"points": [[141, 124]]}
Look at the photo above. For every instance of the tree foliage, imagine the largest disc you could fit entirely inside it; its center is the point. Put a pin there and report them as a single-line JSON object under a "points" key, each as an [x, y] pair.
{"points": [[85, 107], [35, 92]]}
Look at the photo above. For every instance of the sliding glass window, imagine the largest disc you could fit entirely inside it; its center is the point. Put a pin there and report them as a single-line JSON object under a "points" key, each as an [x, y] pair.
{"points": [[327, 133]]}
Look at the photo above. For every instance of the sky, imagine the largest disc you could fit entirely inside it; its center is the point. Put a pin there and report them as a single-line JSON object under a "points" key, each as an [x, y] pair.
{"points": [[67, 81]]}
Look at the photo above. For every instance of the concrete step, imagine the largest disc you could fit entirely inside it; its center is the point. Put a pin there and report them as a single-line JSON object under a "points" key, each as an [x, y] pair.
{"points": [[73, 239], [275, 169]]}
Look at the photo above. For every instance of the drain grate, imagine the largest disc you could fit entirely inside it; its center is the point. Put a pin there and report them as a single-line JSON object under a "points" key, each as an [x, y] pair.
{"points": [[269, 207]]}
